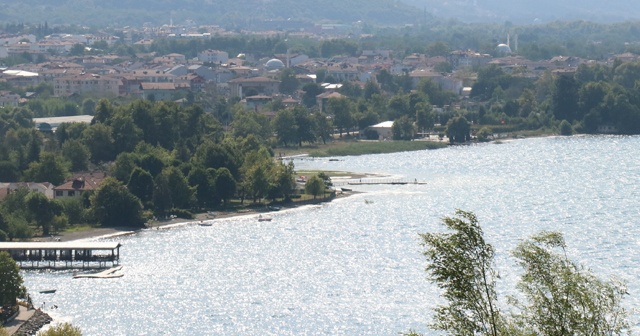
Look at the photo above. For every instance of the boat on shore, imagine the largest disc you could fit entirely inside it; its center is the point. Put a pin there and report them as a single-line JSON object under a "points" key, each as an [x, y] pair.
{"points": [[264, 219], [205, 223]]}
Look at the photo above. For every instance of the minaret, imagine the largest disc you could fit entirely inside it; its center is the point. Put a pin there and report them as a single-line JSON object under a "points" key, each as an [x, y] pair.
{"points": [[516, 42], [509, 40]]}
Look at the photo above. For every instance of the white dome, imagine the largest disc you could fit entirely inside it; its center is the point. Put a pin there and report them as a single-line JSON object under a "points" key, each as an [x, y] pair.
{"points": [[503, 49], [273, 64]]}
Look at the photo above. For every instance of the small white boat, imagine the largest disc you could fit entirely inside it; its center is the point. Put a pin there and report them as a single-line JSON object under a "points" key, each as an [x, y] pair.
{"points": [[264, 219], [205, 223]]}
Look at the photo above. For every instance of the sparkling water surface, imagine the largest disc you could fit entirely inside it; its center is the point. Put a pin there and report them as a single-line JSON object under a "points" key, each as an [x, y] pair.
{"points": [[352, 267]]}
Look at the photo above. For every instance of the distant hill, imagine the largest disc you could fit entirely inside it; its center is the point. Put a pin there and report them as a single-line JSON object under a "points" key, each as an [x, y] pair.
{"points": [[526, 11], [228, 13]]}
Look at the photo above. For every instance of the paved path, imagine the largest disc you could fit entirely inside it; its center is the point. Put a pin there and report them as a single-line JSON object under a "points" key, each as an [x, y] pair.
{"points": [[22, 317]]}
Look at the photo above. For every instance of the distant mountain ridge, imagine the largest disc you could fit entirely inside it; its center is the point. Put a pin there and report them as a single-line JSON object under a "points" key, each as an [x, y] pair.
{"points": [[527, 11], [238, 13]]}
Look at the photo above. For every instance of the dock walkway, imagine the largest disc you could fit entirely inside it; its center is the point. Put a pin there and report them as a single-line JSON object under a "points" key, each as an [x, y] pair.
{"points": [[63, 255]]}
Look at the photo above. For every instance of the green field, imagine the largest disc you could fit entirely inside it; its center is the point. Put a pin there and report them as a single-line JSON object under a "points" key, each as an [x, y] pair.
{"points": [[374, 147]]}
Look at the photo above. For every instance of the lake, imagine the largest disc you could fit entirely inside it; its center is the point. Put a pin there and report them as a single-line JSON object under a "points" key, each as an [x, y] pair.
{"points": [[354, 266]]}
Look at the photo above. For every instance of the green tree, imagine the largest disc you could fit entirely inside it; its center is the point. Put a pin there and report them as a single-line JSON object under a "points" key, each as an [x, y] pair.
{"points": [[77, 154], [43, 210], [9, 172], [64, 329], [88, 106], [288, 81], [125, 133], [182, 195], [438, 48], [51, 168], [370, 88], [314, 186], [225, 185], [162, 201], [484, 134], [402, 129], [204, 186], [141, 185], [461, 263], [98, 137], [77, 50], [311, 91], [282, 181], [342, 111], [114, 205], [564, 298], [425, 118], [10, 280], [560, 296], [324, 126], [123, 166], [564, 98], [305, 127], [565, 128], [285, 127], [458, 130]]}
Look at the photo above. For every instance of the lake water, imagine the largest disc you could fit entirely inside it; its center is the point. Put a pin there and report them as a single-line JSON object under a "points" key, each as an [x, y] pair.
{"points": [[355, 268]]}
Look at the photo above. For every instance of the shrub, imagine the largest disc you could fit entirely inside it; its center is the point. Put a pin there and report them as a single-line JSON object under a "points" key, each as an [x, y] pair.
{"points": [[565, 128]]}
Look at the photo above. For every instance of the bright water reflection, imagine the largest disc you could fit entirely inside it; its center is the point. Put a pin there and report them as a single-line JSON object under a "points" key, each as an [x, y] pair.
{"points": [[351, 268]]}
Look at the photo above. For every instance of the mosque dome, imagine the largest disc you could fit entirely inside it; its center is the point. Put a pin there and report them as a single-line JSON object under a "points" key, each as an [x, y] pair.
{"points": [[503, 49], [274, 64]]}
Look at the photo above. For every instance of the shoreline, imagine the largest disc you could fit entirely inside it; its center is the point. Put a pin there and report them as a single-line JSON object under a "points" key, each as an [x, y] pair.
{"points": [[101, 233]]}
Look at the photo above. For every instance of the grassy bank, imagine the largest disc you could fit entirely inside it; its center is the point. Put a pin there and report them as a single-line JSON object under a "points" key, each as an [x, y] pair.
{"points": [[374, 147]]}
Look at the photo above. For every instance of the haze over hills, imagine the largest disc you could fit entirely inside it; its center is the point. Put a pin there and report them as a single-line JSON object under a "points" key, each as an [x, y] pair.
{"points": [[529, 11], [229, 13]]}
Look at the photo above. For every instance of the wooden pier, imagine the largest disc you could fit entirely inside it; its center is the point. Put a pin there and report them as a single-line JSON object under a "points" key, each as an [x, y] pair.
{"points": [[376, 181], [63, 255]]}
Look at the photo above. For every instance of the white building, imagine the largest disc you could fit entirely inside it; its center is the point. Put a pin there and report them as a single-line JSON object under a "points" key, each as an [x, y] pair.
{"points": [[384, 129], [213, 56]]}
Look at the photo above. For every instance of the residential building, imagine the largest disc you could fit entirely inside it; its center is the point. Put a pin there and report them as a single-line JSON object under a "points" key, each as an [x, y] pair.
{"points": [[323, 98], [213, 56], [158, 91], [9, 99], [42, 187], [79, 184], [240, 87], [96, 85]]}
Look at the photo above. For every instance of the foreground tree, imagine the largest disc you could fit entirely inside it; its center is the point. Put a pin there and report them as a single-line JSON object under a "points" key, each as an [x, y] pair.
{"points": [[64, 329], [461, 263], [10, 280], [562, 297]]}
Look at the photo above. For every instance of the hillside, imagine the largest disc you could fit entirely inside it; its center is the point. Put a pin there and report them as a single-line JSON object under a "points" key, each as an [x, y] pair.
{"points": [[228, 13], [523, 12]]}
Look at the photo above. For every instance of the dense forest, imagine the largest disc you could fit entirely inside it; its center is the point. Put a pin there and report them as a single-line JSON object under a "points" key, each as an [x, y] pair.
{"points": [[535, 42], [242, 14], [531, 11], [226, 13]]}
